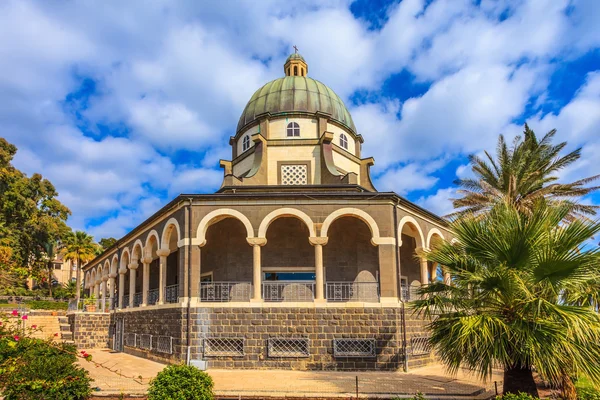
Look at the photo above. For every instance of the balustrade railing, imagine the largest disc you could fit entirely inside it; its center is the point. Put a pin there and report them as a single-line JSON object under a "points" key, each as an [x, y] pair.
{"points": [[225, 291], [137, 299], [405, 293], [152, 297], [172, 294], [288, 291], [352, 291]]}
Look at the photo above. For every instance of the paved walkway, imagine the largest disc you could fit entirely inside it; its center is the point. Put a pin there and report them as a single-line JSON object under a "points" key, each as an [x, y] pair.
{"points": [[123, 373]]}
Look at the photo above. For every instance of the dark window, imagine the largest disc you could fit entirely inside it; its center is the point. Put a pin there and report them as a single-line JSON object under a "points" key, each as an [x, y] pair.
{"points": [[295, 71], [289, 276], [246, 143], [293, 129], [344, 141]]}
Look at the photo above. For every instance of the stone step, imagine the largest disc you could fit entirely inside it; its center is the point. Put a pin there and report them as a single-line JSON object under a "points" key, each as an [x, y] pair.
{"points": [[63, 320], [66, 335], [65, 328]]}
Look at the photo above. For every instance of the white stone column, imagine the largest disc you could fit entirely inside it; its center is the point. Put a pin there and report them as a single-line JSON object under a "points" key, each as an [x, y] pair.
{"points": [[103, 288], [122, 273], [146, 280], [111, 287], [447, 277], [97, 291], [132, 269], [424, 272], [256, 244], [162, 276], [318, 243]]}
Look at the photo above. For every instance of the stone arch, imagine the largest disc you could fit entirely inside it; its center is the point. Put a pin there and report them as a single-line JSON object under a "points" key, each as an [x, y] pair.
{"points": [[125, 257], [151, 234], [106, 269], [114, 266], [286, 212], [433, 232], [137, 251], [217, 215], [172, 224], [412, 222], [352, 212], [87, 280]]}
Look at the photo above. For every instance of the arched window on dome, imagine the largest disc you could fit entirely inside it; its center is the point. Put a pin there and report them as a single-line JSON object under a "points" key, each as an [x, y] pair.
{"points": [[343, 141], [295, 70], [301, 71], [293, 129], [246, 143]]}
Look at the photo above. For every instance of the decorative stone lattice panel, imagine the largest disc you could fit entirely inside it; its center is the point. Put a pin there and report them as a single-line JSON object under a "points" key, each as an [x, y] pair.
{"points": [[145, 342], [289, 347], [354, 348], [292, 174], [223, 347], [130, 339], [164, 344]]}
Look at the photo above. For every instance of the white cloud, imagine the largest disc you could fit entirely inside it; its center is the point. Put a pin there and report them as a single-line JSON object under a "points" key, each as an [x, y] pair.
{"points": [[439, 203]]}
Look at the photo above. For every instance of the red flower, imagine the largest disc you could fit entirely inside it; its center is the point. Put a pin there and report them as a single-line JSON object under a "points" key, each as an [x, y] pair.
{"points": [[33, 326], [56, 334], [24, 317], [16, 338], [15, 313]]}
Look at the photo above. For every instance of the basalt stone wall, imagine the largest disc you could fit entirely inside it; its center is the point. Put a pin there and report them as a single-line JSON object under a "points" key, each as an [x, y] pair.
{"points": [[160, 324], [90, 330], [318, 326]]}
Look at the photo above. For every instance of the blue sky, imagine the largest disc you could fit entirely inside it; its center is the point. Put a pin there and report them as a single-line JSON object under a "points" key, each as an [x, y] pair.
{"points": [[124, 105]]}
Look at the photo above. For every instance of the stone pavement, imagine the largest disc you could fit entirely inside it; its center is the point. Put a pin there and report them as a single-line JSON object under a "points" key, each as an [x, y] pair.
{"points": [[431, 381]]}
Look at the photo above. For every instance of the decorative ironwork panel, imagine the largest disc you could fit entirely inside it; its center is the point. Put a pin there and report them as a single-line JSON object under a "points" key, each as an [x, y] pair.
{"points": [[145, 342], [353, 291], [288, 347], [354, 348], [405, 293], [137, 299], [172, 294], [131, 339], [152, 297], [223, 347], [163, 344], [420, 345], [293, 291], [294, 174], [225, 291]]}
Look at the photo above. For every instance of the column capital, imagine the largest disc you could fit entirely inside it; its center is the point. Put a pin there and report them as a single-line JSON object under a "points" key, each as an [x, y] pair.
{"points": [[122, 271], [317, 240], [163, 252], [112, 275], [133, 265], [146, 260], [104, 278], [256, 241]]}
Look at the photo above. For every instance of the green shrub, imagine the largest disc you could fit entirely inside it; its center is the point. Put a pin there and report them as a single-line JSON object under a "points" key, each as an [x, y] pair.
{"points": [[520, 396], [181, 382], [37, 369], [588, 393], [47, 305]]}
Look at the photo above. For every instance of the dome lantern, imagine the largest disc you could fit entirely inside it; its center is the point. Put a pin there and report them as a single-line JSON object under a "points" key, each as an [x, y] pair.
{"points": [[295, 65]]}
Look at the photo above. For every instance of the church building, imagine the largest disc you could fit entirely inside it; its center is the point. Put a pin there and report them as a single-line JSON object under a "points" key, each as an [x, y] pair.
{"points": [[296, 262]]}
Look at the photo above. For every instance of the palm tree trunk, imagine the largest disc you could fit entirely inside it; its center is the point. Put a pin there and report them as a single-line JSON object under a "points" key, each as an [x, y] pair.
{"points": [[567, 388], [50, 278], [519, 379], [70, 272], [78, 281]]}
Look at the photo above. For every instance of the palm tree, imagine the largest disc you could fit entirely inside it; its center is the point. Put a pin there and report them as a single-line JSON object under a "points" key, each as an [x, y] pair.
{"points": [[79, 247], [50, 250], [505, 305], [522, 174]]}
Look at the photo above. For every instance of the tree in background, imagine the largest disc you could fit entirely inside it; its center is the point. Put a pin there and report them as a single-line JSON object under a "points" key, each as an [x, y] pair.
{"points": [[522, 174], [79, 247], [30, 217], [105, 244], [506, 304]]}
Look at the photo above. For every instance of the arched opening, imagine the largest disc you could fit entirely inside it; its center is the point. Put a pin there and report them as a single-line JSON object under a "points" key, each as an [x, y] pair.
{"points": [[152, 245], [125, 260], [246, 143], [226, 262], [288, 261], [436, 272], [351, 262], [301, 71], [295, 70], [293, 130], [137, 256], [343, 141], [170, 240], [410, 265]]}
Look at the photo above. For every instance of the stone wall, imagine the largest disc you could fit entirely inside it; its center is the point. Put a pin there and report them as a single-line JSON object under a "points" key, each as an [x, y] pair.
{"points": [[90, 330], [158, 322], [319, 325]]}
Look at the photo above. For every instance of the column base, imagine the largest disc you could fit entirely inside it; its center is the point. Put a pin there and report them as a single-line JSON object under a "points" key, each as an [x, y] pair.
{"points": [[389, 300], [320, 301]]}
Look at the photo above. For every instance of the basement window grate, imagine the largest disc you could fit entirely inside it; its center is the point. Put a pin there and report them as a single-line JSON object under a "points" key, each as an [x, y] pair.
{"points": [[164, 344], [145, 342], [130, 339], [288, 347], [223, 347], [420, 346], [354, 348]]}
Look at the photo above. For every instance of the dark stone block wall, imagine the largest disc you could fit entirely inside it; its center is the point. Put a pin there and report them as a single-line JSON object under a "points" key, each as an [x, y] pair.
{"points": [[90, 330], [319, 325], [157, 322]]}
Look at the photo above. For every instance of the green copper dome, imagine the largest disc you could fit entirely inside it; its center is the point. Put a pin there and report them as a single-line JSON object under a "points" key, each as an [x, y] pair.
{"points": [[294, 56], [295, 94]]}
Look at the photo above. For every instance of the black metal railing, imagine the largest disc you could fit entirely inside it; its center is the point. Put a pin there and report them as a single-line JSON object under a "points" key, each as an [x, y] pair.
{"points": [[172, 294], [352, 291], [225, 291], [292, 291]]}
